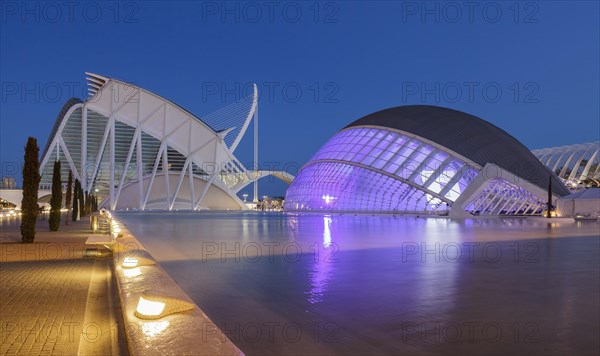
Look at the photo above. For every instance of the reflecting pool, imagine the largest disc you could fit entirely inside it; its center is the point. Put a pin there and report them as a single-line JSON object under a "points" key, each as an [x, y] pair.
{"points": [[329, 284]]}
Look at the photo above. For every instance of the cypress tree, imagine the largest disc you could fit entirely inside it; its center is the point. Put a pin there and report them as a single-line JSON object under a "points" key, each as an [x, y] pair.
{"points": [[68, 198], [548, 215], [31, 184], [81, 197], [56, 199], [76, 201]]}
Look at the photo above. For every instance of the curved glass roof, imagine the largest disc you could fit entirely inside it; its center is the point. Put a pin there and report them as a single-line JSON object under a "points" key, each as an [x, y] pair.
{"points": [[377, 170], [469, 136]]}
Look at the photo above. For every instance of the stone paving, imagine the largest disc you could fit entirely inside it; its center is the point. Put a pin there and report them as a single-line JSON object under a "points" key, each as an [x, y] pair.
{"points": [[53, 299], [43, 304]]}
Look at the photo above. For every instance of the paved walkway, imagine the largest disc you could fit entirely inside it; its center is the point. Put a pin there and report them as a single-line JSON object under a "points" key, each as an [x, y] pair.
{"points": [[53, 299]]}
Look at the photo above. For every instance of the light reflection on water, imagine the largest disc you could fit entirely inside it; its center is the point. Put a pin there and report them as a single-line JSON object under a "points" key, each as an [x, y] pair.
{"points": [[323, 267], [355, 274]]}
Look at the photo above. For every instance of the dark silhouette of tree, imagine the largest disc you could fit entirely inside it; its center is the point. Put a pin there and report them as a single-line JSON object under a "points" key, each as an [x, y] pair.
{"points": [[76, 201], [68, 197], [81, 196], [56, 199], [31, 184]]}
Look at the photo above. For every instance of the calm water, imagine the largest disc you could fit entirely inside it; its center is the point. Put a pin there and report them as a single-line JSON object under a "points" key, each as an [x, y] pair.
{"points": [[320, 284]]}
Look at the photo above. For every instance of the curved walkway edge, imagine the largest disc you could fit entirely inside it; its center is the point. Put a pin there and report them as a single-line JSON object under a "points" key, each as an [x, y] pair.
{"points": [[190, 332]]}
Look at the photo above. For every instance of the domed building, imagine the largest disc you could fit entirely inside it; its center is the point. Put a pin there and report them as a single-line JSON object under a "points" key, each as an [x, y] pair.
{"points": [[424, 160]]}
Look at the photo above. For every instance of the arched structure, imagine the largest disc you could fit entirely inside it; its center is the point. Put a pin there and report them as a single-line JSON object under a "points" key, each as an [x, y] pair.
{"points": [[281, 175], [423, 159], [138, 150], [577, 165], [15, 196]]}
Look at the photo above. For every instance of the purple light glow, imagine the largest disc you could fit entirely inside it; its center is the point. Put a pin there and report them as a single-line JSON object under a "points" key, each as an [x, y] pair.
{"points": [[362, 170]]}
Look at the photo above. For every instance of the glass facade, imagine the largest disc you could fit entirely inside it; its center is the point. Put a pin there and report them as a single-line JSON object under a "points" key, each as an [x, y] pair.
{"points": [[366, 169], [377, 170]]}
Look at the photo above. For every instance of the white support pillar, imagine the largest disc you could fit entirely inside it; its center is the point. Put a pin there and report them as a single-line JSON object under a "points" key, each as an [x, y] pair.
{"points": [[84, 149], [179, 182], [68, 158], [113, 202], [165, 160], [192, 193], [165, 169], [101, 151], [191, 166], [588, 166], [154, 168], [138, 153], [563, 171], [139, 167], [576, 166], [255, 199], [205, 189], [127, 161], [211, 180]]}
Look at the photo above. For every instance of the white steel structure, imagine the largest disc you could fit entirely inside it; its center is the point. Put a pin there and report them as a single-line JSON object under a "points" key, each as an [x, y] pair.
{"points": [[575, 164], [138, 150]]}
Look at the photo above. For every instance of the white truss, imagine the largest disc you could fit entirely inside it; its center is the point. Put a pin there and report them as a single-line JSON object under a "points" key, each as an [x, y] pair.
{"points": [[130, 138], [573, 163]]}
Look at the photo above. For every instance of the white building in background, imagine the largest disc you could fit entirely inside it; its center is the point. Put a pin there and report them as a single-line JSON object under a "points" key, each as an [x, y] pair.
{"points": [[577, 165], [138, 150], [8, 183]]}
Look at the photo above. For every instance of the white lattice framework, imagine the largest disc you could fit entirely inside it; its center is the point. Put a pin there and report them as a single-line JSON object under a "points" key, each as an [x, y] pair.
{"points": [[574, 163], [139, 150]]}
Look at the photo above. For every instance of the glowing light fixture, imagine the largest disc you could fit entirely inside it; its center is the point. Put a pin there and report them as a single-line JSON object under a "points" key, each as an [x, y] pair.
{"points": [[130, 262], [149, 308], [328, 198], [156, 304], [138, 261]]}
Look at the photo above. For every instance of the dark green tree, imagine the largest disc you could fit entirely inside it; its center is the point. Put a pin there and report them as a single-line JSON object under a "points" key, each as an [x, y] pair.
{"points": [[76, 201], [81, 196], [31, 184], [68, 199], [56, 199], [548, 212]]}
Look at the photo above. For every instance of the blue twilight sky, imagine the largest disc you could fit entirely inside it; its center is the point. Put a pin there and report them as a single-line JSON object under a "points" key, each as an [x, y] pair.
{"points": [[531, 68]]}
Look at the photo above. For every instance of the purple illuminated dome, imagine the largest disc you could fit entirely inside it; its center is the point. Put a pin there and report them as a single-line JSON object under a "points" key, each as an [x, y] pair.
{"points": [[423, 159]]}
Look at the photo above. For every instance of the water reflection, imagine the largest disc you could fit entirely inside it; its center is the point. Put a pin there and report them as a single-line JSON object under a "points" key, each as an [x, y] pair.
{"points": [[326, 231], [154, 328], [322, 269], [369, 291]]}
